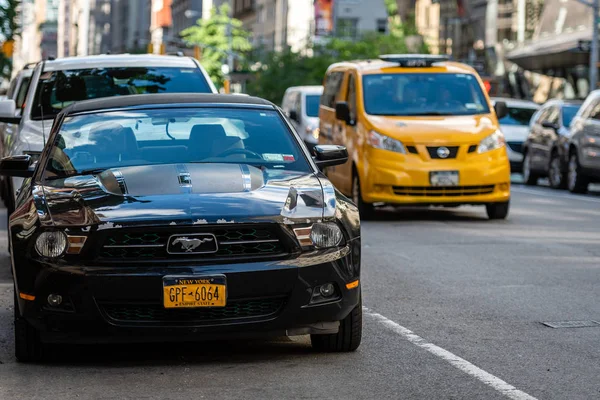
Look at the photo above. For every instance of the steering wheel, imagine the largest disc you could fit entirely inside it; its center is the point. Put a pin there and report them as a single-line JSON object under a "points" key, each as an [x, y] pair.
{"points": [[231, 152]]}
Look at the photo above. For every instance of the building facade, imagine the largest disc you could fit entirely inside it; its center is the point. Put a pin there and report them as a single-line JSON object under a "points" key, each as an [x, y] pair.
{"points": [[130, 26], [38, 22], [161, 25]]}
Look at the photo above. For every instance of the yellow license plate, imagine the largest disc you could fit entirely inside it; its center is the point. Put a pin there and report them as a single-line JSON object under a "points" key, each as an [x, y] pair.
{"points": [[183, 292]]}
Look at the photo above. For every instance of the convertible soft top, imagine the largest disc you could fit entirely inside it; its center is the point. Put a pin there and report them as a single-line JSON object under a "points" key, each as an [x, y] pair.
{"points": [[166, 98]]}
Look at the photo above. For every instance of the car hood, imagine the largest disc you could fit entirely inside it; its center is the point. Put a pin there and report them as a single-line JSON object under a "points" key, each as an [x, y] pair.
{"points": [[187, 194], [467, 129], [515, 133]]}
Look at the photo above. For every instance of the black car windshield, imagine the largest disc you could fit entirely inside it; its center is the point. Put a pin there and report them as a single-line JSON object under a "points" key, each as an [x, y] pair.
{"points": [[312, 105], [426, 94], [92, 143], [518, 116], [568, 112], [58, 89]]}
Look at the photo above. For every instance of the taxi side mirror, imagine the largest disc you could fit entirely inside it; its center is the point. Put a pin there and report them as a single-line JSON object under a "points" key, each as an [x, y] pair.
{"points": [[293, 115], [342, 112], [327, 155], [19, 166], [501, 109]]}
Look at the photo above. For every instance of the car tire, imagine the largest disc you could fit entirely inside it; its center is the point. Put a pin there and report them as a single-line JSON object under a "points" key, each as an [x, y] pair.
{"points": [[28, 346], [576, 181], [366, 210], [497, 210], [556, 174], [348, 337], [529, 177]]}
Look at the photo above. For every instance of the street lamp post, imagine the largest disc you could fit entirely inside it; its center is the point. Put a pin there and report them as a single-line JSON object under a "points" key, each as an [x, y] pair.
{"points": [[594, 5]]}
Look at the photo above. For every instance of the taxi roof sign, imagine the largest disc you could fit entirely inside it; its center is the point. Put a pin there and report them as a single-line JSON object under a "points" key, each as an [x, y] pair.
{"points": [[413, 60]]}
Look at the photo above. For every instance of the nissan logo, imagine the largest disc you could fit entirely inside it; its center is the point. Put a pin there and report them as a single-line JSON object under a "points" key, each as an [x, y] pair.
{"points": [[443, 152]]}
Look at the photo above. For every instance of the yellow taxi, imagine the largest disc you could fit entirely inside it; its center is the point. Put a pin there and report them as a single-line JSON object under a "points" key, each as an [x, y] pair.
{"points": [[420, 130]]}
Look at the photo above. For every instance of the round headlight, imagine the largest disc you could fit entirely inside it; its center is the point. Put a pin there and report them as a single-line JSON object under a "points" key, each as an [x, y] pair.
{"points": [[51, 244], [326, 235]]}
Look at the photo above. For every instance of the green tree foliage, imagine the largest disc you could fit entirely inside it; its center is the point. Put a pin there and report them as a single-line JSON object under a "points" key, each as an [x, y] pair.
{"points": [[279, 71], [211, 36], [8, 30]]}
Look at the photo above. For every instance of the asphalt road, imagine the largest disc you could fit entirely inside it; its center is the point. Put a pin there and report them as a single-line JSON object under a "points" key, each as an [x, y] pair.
{"points": [[454, 308]]}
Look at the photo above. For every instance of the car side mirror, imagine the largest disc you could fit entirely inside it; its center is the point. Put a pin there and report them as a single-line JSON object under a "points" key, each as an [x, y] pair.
{"points": [[8, 111], [327, 155], [293, 115], [550, 125], [501, 109], [19, 166], [342, 112]]}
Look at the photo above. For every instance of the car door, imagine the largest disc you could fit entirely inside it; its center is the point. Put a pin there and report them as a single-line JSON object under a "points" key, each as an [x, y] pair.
{"points": [[588, 139], [548, 136], [535, 138], [328, 124], [347, 133]]}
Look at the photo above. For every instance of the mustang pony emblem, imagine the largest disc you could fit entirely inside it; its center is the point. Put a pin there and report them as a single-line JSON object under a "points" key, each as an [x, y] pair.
{"points": [[190, 245]]}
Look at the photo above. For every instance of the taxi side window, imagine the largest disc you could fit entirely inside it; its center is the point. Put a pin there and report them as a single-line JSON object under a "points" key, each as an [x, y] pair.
{"points": [[332, 85], [351, 97]]}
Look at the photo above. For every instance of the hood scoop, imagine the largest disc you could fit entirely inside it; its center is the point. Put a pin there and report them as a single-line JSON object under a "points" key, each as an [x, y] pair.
{"points": [[168, 179]]}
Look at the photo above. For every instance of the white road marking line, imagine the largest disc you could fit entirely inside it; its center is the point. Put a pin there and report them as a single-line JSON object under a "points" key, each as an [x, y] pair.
{"points": [[492, 381], [557, 196]]}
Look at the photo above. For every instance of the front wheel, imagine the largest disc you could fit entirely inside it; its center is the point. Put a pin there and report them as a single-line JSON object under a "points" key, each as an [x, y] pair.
{"points": [[576, 181], [529, 177], [366, 210], [348, 337], [555, 172], [497, 210]]}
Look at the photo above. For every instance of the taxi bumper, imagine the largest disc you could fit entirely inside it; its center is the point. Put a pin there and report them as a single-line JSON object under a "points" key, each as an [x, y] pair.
{"points": [[405, 179]]}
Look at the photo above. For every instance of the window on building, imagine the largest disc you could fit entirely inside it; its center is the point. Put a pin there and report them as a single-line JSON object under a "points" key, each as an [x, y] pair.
{"points": [[347, 27], [382, 25]]}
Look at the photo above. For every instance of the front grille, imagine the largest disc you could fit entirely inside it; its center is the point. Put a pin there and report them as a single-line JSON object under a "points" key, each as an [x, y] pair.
{"points": [[433, 152], [472, 148], [442, 191], [235, 309], [515, 146], [232, 242], [412, 149]]}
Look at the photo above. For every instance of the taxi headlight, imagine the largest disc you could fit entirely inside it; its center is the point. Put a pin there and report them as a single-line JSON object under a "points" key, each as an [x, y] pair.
{"points": [[492, 142], [51, 244], [325, 235], [379, 141]]}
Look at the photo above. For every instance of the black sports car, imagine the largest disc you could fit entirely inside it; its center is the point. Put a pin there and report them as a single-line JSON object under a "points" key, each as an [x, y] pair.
{"points": [[181, 217]]}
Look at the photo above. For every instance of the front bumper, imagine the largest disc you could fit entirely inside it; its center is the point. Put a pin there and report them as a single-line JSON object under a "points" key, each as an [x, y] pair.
{"points": [[124, 304], [405, 179]]}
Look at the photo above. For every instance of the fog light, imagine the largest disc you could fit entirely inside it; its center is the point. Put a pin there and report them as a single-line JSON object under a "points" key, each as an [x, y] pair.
{"points": [[54, 300], [327, 290], [503, 187]]}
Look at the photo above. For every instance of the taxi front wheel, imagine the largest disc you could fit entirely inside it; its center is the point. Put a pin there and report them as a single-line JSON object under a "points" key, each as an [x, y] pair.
{"points": [[497, 210], [366, 210]]}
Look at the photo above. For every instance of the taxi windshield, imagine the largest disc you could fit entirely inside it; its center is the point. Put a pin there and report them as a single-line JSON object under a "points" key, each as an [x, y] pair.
{"points": [[92, 143], [428, 94]]}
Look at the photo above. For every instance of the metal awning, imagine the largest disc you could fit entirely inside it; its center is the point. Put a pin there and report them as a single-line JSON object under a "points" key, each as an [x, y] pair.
{"points": [[560, 51]]}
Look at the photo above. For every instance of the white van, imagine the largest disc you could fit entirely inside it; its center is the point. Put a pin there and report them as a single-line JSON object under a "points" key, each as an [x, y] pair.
{"points": [[301, 105]]}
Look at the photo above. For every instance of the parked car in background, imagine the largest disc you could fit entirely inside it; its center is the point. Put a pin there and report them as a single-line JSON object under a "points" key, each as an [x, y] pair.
{"points": [[420, 131], [515, 127], [584, 145], [301, 105], [546, 149], [122, 237], [16, 92], [58, 83]]}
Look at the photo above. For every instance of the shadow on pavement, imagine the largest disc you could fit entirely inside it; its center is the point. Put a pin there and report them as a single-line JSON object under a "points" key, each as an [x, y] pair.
{"points": [[465, 214], [230, 352]]}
